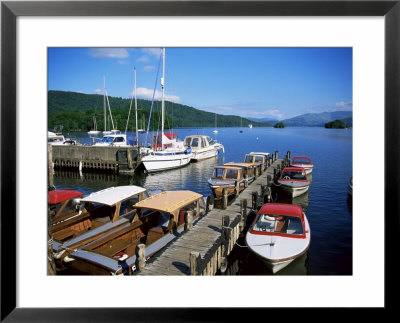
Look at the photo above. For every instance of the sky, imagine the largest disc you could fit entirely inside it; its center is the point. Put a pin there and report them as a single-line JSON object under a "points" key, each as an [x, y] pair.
{"points": [[277, 83]]}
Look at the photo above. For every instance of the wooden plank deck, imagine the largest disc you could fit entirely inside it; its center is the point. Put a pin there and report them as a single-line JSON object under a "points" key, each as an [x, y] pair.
{"points": [[175, 259]]}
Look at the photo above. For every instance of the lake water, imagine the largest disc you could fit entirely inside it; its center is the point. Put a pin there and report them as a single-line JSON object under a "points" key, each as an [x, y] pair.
{"points": [[327, 204]]}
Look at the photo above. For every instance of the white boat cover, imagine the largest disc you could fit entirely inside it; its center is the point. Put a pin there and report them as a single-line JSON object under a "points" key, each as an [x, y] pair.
{"points": [[112, 195]]}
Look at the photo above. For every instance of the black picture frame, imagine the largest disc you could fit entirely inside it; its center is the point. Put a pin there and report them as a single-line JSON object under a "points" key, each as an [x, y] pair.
{"points": [[10, 10]]}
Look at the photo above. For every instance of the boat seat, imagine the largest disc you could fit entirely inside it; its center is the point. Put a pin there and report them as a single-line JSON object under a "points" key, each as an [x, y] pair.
{"points": [[294, 227]]}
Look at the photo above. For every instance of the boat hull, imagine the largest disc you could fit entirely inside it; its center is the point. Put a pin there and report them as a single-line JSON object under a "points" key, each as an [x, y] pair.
{"points": [[294, 189], [278, 252], [159, 162]]}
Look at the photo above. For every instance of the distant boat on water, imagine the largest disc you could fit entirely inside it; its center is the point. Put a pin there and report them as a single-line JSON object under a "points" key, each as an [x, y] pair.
{"points": [[215, 122]]}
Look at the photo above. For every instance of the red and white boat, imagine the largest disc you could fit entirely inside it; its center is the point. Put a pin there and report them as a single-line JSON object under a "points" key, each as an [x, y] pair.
{"points": [[279, 234], [294, 181], [303, 161]]}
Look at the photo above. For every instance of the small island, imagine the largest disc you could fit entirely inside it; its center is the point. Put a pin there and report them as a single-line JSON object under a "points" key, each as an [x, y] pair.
{"points": [[279, 125], [336, 124]]}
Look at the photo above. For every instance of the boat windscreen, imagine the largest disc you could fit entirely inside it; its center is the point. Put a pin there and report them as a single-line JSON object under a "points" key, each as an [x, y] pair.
{"points": [[282, 224]]}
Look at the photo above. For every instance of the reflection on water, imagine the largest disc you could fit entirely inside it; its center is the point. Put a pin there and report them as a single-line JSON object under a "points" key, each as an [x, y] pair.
{"points": [[193, 177], [331, 248]]}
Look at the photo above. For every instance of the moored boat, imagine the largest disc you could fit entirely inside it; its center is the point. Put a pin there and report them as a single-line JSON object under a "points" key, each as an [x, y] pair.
{"points": [[63, 204], [259, 158], [350, 184], [158, 220], [168, 152], [279, 234], [115, 138], [228, 177], [303, 161], [202, 146], [98, 213], [58, 139], [294, 181]]}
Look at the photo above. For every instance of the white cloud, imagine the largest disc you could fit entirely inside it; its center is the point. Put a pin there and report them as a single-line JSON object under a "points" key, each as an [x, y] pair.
{"points": [[145, 93], [275, 113], [345, 106], [98, 91], [149, 68], [143, 59], [108, 52], [152, 51]]}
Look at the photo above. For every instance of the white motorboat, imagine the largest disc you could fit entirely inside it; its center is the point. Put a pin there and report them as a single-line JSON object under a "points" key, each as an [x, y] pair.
{"points": [[57, 139], [168, 152], [202, 146], [303, 161], [114, 139], [279, 234], [294, 181]]}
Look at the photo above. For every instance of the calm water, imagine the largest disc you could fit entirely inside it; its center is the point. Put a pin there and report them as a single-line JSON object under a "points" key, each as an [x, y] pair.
{"points": [[327, 204]]}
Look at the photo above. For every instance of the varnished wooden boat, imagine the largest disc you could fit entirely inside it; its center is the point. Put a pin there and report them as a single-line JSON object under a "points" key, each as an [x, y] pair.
{"points": [[158, 220], [228, 177], [99, 214]]}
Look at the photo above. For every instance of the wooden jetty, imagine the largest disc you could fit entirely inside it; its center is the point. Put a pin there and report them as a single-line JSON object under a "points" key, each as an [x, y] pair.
{"points": [[203, 249], [97, 159]]}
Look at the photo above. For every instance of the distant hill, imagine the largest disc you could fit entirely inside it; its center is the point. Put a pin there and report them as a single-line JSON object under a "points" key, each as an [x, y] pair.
{"points": [[74, 111], [318, 119], [264, 120]]}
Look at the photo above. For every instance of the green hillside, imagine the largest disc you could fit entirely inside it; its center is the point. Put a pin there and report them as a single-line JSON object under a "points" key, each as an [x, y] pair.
{"points": [[74, 111]]}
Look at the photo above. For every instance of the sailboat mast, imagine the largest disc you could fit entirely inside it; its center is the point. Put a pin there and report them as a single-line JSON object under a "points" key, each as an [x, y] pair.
{"points": [[104, 104], [137, 132], [162, 97]]}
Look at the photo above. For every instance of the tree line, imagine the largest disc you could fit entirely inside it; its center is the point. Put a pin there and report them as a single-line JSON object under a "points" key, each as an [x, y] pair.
{"points": [[75, 112]]}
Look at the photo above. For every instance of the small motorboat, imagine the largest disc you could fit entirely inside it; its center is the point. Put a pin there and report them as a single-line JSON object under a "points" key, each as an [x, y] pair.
{"points": [[303, 161], [202, 146], [96, 214], [351, 186], [58, 139], [158, 220], [63, 205], [226, 177], [113, 139], [294, 181], [279, 234], [259, 158]]}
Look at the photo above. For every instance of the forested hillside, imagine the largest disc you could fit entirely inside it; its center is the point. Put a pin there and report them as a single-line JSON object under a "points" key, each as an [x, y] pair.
{"points": [[75, 111]]}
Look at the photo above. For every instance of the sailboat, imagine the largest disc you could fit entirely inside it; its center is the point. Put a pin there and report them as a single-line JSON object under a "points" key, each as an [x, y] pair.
{"points": [[94, 131], [142, 130], [167, 152], [112, 131], [215, 121]]}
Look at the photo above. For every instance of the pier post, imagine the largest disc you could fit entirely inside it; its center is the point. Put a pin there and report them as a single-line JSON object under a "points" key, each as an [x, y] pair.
{"points": [[256, 172], [254, 199], [246, 181], [276, 154], [210, 203], [237, 191], [193, 262], [188, 220], [224, 198], [288, 156], [243, 213], [50, 164], [140, 256], [129, 158]]}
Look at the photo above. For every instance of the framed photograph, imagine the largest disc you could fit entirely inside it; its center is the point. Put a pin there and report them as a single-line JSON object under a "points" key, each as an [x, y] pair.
{"points": [[29, 28]]}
